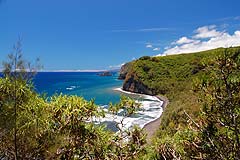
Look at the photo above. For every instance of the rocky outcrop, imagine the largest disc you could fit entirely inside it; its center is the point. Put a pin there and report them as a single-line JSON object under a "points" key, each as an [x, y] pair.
{"points": [[124, 70], [131, 82], [105, 74], [133, 85]]}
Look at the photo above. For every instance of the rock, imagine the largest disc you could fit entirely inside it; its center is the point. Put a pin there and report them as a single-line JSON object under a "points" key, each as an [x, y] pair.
{"points": [[133, 85], [105, 74], [124, 70], [131, 82]]}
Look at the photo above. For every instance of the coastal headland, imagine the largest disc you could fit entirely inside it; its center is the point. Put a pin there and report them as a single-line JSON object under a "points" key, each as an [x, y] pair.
{"points": [[173, 77]]}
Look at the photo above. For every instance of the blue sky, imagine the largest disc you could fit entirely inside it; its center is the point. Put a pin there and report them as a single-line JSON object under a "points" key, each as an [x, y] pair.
{"points": [[94, 34]]}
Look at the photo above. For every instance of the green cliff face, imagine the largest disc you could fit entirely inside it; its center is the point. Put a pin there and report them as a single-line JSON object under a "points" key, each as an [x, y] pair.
{"points": [[161, 75], [177, 77], [174, 77]]}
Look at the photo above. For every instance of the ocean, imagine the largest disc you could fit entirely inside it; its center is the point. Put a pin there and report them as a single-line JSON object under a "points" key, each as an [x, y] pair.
{"points": [[103, 89], [86, 84]]}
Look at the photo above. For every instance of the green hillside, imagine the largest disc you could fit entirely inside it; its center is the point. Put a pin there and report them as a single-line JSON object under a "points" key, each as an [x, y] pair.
{"points": [[175, 77], [171, 76]]}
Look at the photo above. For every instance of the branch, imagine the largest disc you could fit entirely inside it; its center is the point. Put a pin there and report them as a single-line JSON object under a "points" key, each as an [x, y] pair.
{"points": [[191, 119]]}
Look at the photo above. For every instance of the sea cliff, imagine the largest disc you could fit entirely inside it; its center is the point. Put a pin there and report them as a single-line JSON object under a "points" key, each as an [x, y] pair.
{"points": [[124, 70], [173, 77], [131, 82]]}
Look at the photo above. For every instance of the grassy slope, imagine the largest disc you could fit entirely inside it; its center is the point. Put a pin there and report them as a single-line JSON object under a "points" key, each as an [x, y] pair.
{"points": [[173, 76]]}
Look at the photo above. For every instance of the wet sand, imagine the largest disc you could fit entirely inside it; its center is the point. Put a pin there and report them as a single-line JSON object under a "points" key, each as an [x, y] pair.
{"points": [[152, 127]]}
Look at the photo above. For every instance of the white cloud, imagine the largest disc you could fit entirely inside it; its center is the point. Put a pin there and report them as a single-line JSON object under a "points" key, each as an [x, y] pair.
{"points": [[156, 49], [183, 40], [149, 46], [216, 39], [207, 32]]}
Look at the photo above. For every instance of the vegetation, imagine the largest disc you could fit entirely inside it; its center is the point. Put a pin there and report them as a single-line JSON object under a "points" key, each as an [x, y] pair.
{"points": [[201, 121], [58, 127], [219, 130], [183, 133]]}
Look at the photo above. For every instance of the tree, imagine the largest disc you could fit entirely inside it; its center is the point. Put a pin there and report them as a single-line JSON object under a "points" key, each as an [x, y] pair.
{"points": [[129, 143], [218, 130], [15, 89], [72, 130]]}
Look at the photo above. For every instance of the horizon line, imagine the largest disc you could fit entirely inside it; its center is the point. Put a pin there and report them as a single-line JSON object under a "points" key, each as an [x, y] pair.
{"points": [[73, 70], [77, 70]]}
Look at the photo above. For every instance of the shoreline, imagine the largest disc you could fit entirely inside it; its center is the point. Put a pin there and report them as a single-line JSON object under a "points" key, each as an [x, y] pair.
{"points": [[150, 97], [152, 126]]}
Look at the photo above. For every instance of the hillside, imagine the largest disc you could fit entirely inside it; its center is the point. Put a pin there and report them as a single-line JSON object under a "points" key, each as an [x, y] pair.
{"points": [[161, 75], [174, 77], [200, 121]]}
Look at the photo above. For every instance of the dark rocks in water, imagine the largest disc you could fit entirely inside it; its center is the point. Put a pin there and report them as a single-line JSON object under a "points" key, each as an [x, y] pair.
{"points": [[105, 74]]}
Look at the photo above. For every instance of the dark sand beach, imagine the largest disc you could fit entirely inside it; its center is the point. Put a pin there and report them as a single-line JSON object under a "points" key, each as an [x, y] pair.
{"points": [[153, 126]]}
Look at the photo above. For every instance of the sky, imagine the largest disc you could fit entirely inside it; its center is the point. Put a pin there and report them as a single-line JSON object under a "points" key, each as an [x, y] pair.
{"points": [[103, 34]]}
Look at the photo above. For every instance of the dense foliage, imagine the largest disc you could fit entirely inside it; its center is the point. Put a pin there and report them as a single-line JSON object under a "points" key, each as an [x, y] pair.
{"points": [[61, 127], [201, 121], [184, 131], [33, 126], [219, 130]]}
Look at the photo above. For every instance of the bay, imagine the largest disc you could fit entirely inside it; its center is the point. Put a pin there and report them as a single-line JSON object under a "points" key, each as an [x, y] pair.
{"points": [[86, 84]]}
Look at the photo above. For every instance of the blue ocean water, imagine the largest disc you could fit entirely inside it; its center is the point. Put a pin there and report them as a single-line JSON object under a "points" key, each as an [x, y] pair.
{"points": [[92, 86], [86, 84]]}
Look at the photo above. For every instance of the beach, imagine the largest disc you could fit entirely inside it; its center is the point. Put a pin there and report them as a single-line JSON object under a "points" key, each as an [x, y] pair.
{"points": [[152, 125]]}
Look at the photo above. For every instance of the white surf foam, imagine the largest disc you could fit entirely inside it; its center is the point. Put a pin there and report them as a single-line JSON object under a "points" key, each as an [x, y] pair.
{"points": [[71, 88], [151, 109]]}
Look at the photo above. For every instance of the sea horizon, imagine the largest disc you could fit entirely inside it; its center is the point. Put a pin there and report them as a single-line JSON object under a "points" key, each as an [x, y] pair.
{"points": [[76, 70]]}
